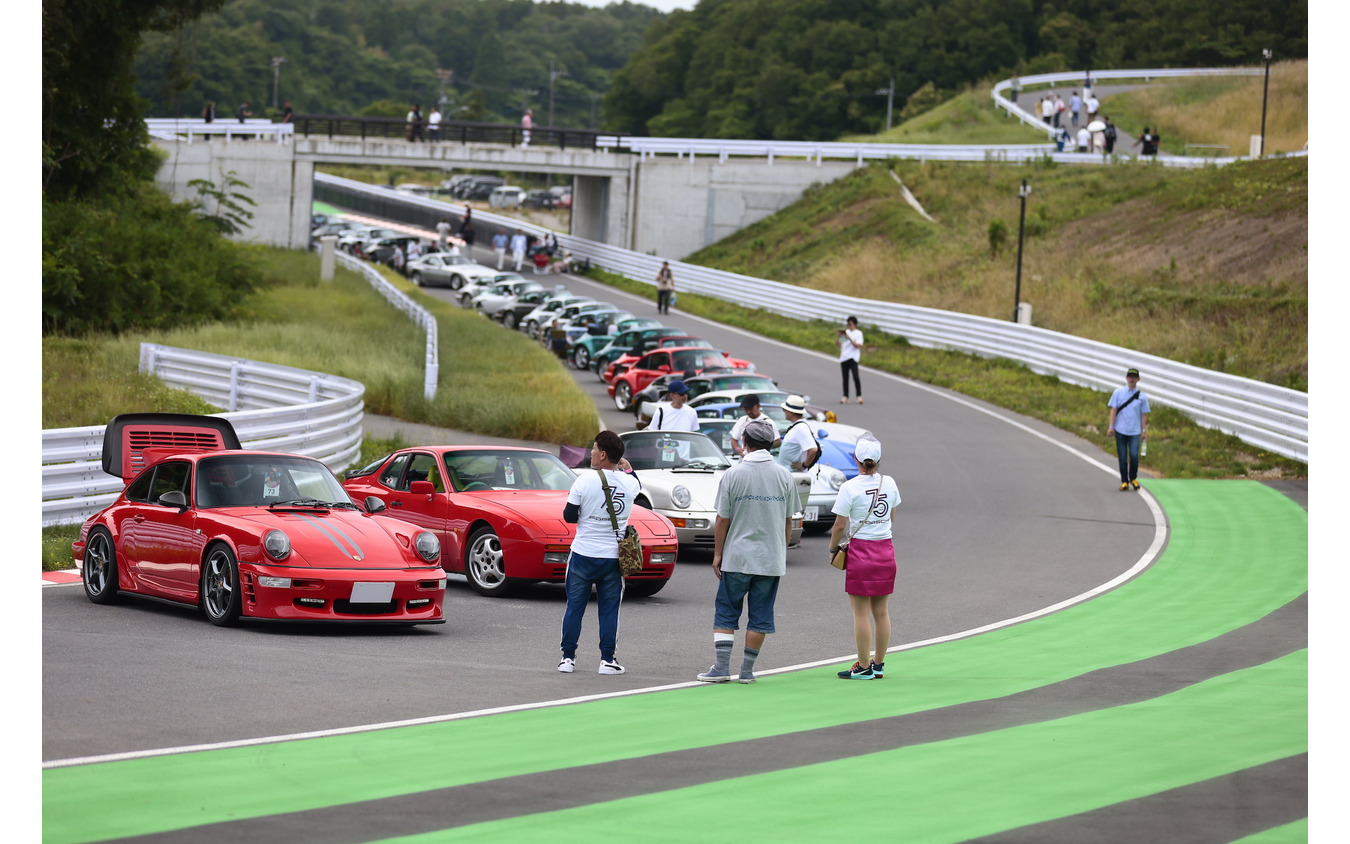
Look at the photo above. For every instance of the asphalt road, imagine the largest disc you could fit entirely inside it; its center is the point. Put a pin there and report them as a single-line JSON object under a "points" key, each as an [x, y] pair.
{"points": [[1001, 516]]}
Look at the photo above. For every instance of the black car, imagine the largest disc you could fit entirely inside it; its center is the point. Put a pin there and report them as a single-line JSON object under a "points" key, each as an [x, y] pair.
{"points": [[539, 199], [382, 251], [479, 187]]}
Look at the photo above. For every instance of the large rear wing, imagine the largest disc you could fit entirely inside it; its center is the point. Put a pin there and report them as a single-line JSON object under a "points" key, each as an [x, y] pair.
{"points": [[133, 441]]}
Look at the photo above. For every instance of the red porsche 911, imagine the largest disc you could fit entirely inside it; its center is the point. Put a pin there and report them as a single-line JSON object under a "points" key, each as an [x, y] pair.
{"points": [[627, 380], [247, 534], [498, 511]]}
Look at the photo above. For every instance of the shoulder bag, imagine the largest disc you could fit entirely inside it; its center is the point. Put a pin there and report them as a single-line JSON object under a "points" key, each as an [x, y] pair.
{"points": [[630, 545]]}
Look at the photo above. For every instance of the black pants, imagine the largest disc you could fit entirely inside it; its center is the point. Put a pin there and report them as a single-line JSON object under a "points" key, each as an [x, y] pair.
{"points": [[845, 367], [663, 301]]}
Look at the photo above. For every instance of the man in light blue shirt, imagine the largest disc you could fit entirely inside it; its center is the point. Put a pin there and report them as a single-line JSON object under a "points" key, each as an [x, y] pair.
{"points": [[1129, 425]]}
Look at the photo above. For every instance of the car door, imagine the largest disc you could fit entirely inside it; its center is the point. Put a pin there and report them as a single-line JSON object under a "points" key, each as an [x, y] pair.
{"points": [[648, 369], [161, 541]]}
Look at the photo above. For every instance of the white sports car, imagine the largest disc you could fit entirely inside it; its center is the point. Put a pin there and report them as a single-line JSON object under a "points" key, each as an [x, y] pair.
{"points": [[680, 472]]}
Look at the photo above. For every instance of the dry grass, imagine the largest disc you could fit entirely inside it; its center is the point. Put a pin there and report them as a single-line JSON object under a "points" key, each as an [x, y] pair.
{"points": [[1223, 111]]}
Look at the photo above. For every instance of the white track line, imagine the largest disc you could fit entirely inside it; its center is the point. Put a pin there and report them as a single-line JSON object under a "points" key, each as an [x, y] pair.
{"points": [[1159, 538]]}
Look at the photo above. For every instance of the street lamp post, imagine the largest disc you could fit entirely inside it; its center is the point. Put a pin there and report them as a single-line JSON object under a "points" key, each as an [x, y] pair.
{"points": [[1023, 193], [1265, 96], [277, 61]]}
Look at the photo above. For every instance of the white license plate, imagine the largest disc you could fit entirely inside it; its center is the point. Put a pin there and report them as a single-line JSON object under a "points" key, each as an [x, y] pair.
{"points": [[812, 513], [372, 593]]}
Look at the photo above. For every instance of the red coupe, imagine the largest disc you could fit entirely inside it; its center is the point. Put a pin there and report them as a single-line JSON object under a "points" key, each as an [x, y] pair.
{"points": [[627, 379], [251, 534], [498, 511]]}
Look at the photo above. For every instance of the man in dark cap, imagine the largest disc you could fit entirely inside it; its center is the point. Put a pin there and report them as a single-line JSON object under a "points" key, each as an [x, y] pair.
{"points": [[750, 404], [1129, 425], [678, 415]]}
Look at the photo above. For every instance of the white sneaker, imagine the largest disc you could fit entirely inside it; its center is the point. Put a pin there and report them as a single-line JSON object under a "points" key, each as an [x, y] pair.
{"points": [[610, 667], [568, 665]]}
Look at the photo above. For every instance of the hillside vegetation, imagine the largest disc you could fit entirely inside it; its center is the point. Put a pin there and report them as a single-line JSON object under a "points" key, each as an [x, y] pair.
{"points": [[1209, 267]]}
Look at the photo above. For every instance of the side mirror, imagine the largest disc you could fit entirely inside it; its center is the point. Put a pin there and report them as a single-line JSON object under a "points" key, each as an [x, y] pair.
{"points": [[374, 505], [174, 499], [422, 488]]}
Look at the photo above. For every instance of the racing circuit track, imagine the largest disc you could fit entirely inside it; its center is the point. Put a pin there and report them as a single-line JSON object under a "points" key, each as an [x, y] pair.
{"points": [[1171, 706]]}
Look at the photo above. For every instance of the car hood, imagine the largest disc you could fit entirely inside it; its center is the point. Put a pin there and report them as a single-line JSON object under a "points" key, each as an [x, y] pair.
{"points": [[702, 484], [334, 538]]}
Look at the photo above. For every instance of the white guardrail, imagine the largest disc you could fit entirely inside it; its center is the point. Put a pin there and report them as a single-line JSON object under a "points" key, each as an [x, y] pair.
{"points": [[194, 128], [273, 408], [414, 311], [1269, 417]]}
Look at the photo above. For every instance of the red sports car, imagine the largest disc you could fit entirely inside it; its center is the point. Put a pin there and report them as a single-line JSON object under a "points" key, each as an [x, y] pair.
{"points": [[251, 534], [633, 378], [498, 511]]}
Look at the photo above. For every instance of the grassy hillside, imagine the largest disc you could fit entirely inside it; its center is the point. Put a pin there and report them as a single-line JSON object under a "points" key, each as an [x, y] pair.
{"points": [[1209, 267]]}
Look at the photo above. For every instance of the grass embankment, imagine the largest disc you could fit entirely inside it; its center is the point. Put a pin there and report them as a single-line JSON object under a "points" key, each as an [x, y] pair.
{"points": [[1208, 267], [491, 381], [1178, 448], [967, 118]]}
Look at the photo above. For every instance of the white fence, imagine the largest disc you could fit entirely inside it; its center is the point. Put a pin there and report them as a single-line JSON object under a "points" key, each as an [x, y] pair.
{"points": [[414, 311], [193, 129], [275, 408]]}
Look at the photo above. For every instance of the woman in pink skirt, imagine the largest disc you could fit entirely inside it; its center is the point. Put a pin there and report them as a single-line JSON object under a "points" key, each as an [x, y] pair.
{"points": [[863, 513]]}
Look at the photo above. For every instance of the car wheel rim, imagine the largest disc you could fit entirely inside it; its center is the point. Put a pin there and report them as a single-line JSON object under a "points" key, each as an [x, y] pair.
{"points": [[486, 566], [582, 357], [97, 561], [218, 592], [621, 395]]}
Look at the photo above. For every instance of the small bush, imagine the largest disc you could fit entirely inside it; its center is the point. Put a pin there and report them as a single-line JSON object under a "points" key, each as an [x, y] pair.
{"points": [[998, 237]]}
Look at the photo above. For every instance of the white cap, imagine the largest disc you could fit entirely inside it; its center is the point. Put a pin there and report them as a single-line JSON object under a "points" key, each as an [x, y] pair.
{"points": [[867, 448]]}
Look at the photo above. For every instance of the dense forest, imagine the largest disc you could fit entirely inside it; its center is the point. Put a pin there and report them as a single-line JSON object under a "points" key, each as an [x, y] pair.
{"points": [[787, 69], [380, 56], [812, 69]]}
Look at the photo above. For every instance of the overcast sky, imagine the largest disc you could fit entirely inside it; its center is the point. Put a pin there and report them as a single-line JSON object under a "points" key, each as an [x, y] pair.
{"points": [[663, 5]]}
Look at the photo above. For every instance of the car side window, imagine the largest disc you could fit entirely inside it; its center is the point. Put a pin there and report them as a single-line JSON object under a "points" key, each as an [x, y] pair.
{"points": [[139, 491], [696, 388], [423, 467], [170, 477], [656, 361], [393, 473]]}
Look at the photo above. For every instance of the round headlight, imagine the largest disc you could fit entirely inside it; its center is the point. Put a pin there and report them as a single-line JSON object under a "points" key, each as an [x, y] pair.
{"points": [[277, 544], [681, 497], [428, 546], [832, 476]]}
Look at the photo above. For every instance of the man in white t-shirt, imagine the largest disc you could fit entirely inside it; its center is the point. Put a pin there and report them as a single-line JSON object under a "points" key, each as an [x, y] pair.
{"points": [[518, 244], [750, 404], [799, 449], [678, 415], [443, 232], [850, 342], [594, 560]]}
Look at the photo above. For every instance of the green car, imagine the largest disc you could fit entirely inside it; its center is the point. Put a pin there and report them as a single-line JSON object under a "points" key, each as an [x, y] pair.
{"points": [[585, 349]]}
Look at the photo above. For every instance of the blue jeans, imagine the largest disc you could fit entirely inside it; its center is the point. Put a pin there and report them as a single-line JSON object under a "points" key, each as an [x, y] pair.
{"points": [[1127, 451], [582, 572], [733, 590]]}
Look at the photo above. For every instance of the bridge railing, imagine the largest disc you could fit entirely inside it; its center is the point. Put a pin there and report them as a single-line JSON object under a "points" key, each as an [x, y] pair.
{"points": [[452, 131], [194, 129], [1269, 417], [275, 408]]}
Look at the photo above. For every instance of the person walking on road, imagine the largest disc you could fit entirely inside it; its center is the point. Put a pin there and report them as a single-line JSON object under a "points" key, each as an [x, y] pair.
{"points": [[499, 247], [665, 288], [755, 502], [443, 233], [526, 124], [1128, 423], [518, 244], [864, 511], [849, 339], [610, 487]]}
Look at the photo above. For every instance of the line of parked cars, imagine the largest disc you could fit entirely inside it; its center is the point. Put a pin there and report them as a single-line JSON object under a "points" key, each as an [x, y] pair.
{"points": [[638, 357]]}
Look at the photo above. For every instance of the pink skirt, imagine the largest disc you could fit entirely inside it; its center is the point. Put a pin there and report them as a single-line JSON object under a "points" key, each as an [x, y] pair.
{"points": [[871, 567]]}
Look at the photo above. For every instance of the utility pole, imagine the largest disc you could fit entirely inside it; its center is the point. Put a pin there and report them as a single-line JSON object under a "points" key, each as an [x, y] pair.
{"points": [[890, 100], [552, 77], [1021, 229], [1265, 96], [277, 62]]}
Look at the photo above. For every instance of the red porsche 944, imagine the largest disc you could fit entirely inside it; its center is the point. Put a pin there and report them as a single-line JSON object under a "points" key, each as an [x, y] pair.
{"points": [[498, 512]]}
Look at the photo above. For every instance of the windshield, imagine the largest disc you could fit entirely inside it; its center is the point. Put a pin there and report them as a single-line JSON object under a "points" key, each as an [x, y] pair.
{"points": [[263, 480], [481, 470], [698, 359], [672, 450]]}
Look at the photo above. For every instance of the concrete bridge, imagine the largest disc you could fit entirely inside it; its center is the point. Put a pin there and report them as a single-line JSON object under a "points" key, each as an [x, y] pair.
{"points": [[660, 205]]}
